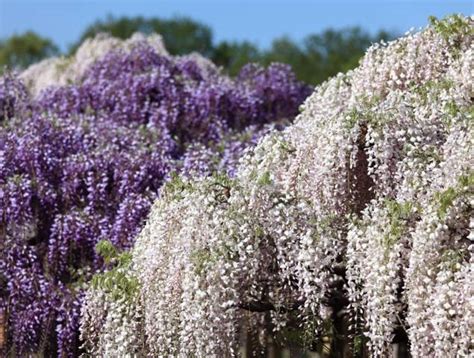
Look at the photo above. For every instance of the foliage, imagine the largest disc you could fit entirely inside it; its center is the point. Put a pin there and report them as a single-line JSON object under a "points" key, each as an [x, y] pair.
{"points": [[182, 35], [325, 55], [317, 58], [233, 55], [314, 59], [20, 51]]}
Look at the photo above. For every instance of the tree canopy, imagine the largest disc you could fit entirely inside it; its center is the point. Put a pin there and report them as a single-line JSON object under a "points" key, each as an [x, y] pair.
{"points": [[182, 35], [314, 59], [22, 50]]}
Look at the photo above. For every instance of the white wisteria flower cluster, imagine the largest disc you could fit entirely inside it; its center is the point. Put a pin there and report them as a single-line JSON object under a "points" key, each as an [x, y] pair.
{"points": [[357, 219]]}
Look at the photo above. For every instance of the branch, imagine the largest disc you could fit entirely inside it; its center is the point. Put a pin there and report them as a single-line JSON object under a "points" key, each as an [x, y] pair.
{"points": [[262, 306]]}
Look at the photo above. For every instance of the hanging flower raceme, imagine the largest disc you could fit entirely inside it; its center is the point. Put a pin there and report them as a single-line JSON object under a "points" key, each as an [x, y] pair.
{"points": [[82, 159], [352, 228]]}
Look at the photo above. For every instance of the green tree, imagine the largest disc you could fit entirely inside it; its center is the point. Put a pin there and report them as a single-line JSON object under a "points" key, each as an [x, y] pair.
{"points": [[20, 51], [285, 50], [315, 59], [338, 51], [182, 35], [234, 55], [321, 56]]}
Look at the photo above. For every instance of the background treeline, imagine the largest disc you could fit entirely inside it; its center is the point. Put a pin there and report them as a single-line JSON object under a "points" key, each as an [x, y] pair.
{"points": [[314, 59]]}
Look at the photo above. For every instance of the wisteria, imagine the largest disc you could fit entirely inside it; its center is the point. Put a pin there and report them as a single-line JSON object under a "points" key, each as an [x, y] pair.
{"points": [[85, 147], [350, 232]]}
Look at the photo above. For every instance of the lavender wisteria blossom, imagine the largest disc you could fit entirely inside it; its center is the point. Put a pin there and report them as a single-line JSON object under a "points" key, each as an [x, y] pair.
{"points": [[82, 161], [352, 228], [60, 71]]}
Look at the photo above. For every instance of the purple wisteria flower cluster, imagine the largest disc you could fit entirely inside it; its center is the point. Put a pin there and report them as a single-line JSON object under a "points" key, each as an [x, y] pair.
{"points": [[83, 162]]}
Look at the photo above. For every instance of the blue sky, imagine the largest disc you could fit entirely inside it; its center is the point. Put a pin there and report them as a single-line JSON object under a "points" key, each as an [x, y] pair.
{"points": [[259, 21]]}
